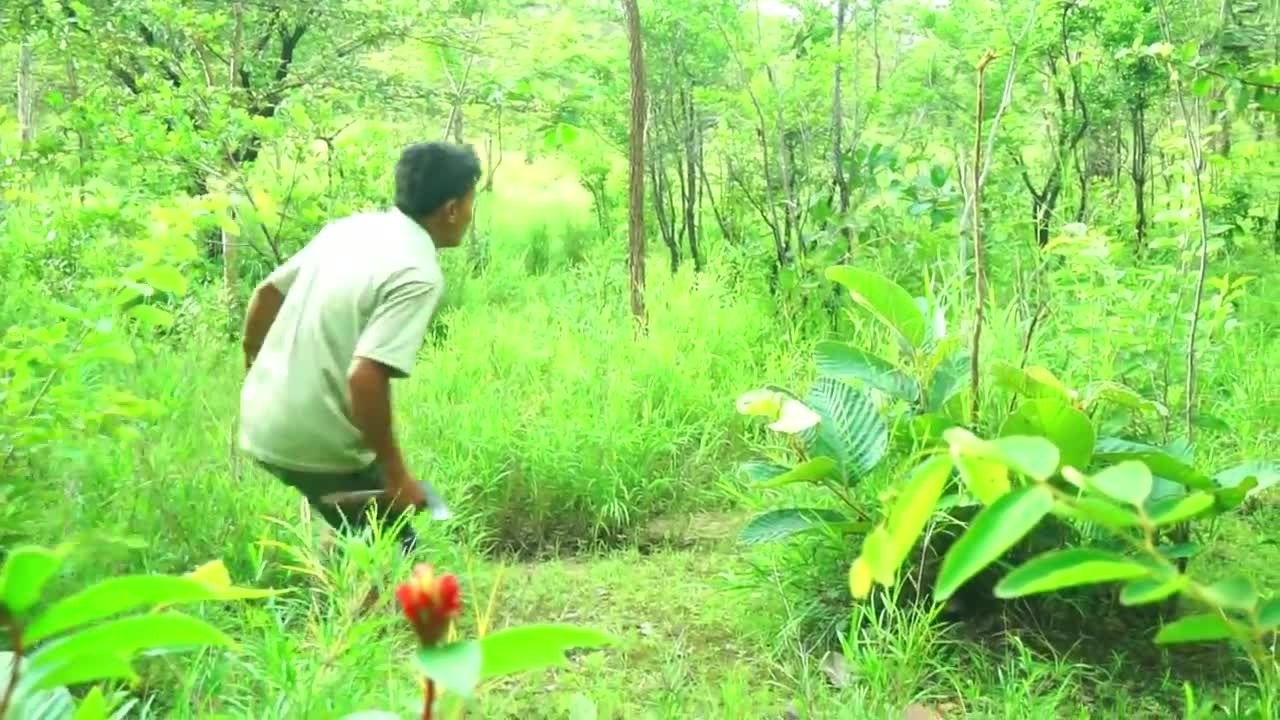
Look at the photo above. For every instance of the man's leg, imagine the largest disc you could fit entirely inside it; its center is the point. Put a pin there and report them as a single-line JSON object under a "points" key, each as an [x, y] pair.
{"points": [[345, 517]]}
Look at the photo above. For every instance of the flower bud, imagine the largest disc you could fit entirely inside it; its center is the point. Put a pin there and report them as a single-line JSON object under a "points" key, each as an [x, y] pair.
{"points": [[430, 602]]}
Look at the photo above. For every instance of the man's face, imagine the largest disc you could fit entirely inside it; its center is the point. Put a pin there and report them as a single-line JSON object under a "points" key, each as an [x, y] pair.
{"points": [[457, 217]]}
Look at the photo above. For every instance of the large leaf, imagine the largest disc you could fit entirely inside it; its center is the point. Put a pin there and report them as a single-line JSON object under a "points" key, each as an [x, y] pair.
{"points": [[948, 380], [117, 595], [759, 472], [130, 635], [1269, 614], [914, 506], [533, 647], [1032, 382], [77, 670], [1265, 474], [1033, 456], [884, 299], [455, 666], [1161, 462], [54, 704], [992, 533], [987, 479], [785, 413], [1143, 591], [845, 362], [1177, 510], [1068, 568], [781, 524], [1233, 593], [1205, 627], [851, 428], [1064, 426], [809, 471], [1122, 395], [25, 572], [1128, 482]]}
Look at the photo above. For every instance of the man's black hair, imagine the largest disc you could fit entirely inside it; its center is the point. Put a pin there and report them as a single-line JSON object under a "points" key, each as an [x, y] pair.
{"points": [[428, 175]]}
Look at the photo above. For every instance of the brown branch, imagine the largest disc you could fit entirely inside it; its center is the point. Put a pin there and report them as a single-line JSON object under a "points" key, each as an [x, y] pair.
{"points": [[979, 250]]}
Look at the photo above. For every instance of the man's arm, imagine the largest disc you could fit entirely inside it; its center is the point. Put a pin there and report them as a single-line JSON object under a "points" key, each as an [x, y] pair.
{"points": [[387, 349], [369, 383], [263, 308]]}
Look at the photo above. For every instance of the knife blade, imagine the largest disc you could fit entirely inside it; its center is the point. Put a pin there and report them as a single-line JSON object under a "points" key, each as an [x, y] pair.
{"points": [[435, 503]]}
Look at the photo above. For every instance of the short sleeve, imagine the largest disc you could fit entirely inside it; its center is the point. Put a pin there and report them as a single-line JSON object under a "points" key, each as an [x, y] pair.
{"points": [[395, 331], [283, 276]]}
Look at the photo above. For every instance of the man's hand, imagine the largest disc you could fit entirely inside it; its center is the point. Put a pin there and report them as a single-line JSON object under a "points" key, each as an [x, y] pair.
{"points": [[403, 492]]}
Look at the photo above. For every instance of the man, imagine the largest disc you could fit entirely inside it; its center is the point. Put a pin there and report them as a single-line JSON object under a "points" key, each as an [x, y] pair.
{"points": [[326, 333]]}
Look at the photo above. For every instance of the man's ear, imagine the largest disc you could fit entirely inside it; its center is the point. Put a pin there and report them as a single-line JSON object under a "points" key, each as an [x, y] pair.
{"points": [[450, 210]]}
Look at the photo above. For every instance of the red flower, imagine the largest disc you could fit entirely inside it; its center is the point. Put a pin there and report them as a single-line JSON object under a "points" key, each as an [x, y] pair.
{"points": [[430, 602]]}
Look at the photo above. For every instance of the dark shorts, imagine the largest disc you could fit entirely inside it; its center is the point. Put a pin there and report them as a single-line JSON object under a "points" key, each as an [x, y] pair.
{"points": [[345, 517]]}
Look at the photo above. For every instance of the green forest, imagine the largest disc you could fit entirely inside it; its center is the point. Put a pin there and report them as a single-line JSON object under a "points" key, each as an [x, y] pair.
{"points": [[839, 359]]}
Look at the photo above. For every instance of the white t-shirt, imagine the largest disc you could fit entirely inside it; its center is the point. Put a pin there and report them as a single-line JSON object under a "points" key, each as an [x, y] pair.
{"points": [[366, 286]]}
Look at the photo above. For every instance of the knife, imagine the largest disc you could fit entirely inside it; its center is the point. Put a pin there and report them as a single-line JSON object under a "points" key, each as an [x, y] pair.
{"points": [[436, 504]]}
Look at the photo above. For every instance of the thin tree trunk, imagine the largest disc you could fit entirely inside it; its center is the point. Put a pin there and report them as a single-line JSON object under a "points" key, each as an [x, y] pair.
{"points": [[230, 242], [635, 199], [837, 126], [26, 96], [691, 178], [1139, 173]]}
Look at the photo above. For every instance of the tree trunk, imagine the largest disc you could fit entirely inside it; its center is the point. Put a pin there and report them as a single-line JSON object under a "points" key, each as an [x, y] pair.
{"points": [[661, 198], [230, 243], [26, 96], [691, 141], [1139, 174], [635, 199], [837, 125]]}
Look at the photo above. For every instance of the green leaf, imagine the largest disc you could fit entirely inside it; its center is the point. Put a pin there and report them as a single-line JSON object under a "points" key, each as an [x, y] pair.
{"points": [[810, 471], [948, 380], [1122, 395], [1180, 550], [1033, 382], [1234, 593], [1160, 462], [781, 524], [125, 593], [1101, 511], [151, 316], [1128, 482], [1034, 457], [25, 572], [1176, 510], [884, 299], [845, 362], [163, 278], [1143, 591], [986, 479], [1202, 85], [1060, 569], [915, 505], [534, 647], [878, 552], [851, 428], [1266, 474], [1064, 426], [55, 704], [759, 472], [995, 529], [126, 636], [1269, 614], [77, 670], [1206, 627], [93, 706], [455, 666]]}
